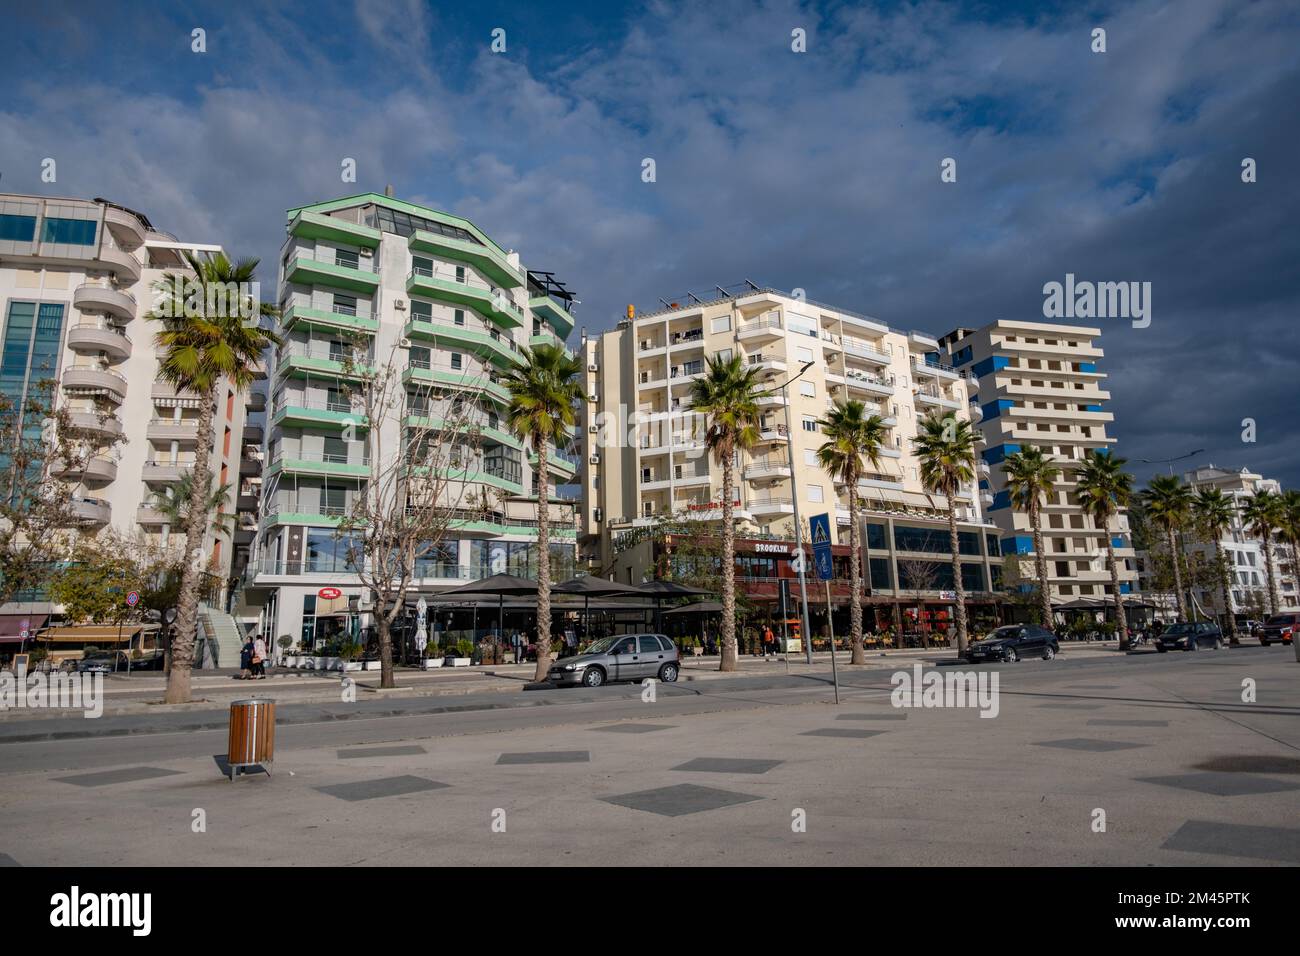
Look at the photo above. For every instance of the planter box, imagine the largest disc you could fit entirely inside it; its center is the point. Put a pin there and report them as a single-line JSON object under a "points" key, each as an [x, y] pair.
{"points": [[460, 662], [431, 662]]}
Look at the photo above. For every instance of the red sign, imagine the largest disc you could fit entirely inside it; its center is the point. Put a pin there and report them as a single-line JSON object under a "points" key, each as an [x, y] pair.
{"points": [[329, 594]]}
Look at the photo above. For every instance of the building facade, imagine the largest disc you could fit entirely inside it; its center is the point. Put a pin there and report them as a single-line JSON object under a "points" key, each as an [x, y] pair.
{"points": [[1040, 385], [646, 468], [371, 279], [76, 284], [1243, 550]]}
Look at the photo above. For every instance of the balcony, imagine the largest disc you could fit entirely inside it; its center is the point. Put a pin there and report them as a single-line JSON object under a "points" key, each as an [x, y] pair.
{"points": [[304, 359], [100, 297], [337, 273], [339, 317], [774, 400], [936, 399], [94, 337], [159, 471], [168, 395], [422, 372], [124, 265], [147, 514], [89, 381], [478, 336], [253, 434], [556, 465], [444, 285], [760, 329], [333, 466], [767, 468], [859, 381], [125, 226], [93, 471], [256, 401], [90, 511], [982, 468], [487, 259], [864, 350], [105, 425], [976, 411], [933, 370], [314, 225], [291, 410], [768, 365], [555, 314], [185, 431], [770, 506]]}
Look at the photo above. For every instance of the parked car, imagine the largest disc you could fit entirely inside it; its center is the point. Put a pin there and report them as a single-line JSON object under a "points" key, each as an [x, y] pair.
{"points": [[1186, 636], [1279, 627], [103, 662], [1012, 642], [631, 657]]}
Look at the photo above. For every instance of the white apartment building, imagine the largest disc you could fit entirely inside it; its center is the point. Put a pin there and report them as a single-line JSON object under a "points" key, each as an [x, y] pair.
{"points": [[646, 461], [76, 282], [1039, 385], [1244, 551], [453, 309]]}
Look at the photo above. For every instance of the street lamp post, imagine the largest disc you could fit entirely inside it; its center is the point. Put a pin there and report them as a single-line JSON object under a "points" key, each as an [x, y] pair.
{"points": [[794, 496]]}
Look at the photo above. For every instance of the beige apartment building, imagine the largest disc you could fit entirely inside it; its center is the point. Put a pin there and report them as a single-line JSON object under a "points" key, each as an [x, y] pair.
{"points": [[1040, 385], [76, 281], [646, 465]]}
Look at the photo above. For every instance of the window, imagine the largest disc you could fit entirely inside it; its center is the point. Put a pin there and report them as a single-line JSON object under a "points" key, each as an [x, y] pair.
{"points": [[810, 457], [460, 273], [725, 355], [18, 228], [342, 257], [458, 316], [721, 324], [804, 355], [650, 645], [456, 361], [345, 304], [808, 389], [72, 232], [403, 224], [809, 423], [815, 493]]}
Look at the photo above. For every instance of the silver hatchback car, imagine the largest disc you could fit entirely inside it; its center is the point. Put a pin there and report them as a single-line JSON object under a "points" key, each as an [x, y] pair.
{"points": [[631, 657]]}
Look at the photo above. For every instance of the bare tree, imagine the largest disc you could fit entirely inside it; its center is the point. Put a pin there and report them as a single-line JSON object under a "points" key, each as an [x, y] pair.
{"points": [[417, 485], [918, 576]]}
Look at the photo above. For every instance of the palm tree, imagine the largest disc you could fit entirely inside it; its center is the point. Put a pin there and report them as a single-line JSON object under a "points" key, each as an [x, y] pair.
{"points": [[1103, 489], [1030, 479], [174, 504], [1290, 528], [1263, 515], [210, 334], [544, 394], [726, 395], [1215, 512], [946, 449], [1169, 503], [851, 437]]}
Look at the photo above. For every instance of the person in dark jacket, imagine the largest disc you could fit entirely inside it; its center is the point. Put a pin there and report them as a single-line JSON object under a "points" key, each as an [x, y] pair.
{"points": [[246, 660]]}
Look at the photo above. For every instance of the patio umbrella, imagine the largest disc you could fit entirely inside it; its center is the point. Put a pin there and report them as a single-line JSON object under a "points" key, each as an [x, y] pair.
{"points": [[589, 585], [499, 585], [699, 607], [663, 589]]}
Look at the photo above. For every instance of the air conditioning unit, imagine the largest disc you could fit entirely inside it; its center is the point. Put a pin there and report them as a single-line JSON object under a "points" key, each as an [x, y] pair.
{"points": [[399, 305], [404, 343], [367, 253], [365, 604], [593, 367], [594, 429]]}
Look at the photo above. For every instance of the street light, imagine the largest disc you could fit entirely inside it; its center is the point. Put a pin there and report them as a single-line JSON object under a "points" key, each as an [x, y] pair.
{"points": [[794, 493]]}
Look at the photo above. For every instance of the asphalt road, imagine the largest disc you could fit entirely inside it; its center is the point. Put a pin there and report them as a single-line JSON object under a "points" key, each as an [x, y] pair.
{"points": [[720, 771]]}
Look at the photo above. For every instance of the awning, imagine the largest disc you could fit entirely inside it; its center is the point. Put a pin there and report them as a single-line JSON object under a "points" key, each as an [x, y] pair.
{"points": [[91, 633], [11, 626]]}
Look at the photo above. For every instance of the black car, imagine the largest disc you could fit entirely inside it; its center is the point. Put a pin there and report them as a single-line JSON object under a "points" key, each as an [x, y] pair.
{"points": [[1279, 627], [1012, 642], [1185, 636]]}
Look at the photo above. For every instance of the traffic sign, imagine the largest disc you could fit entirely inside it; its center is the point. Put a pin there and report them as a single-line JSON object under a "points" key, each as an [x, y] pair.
{"points": [[132, 598], [821, 542]]}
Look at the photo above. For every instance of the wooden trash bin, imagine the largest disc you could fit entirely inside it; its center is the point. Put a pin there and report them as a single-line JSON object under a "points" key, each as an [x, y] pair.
{"points": [[252, 735]]}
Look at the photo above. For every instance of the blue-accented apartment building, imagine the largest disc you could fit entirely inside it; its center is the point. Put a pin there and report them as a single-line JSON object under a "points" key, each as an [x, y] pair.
{"points": [[1038, 385]]}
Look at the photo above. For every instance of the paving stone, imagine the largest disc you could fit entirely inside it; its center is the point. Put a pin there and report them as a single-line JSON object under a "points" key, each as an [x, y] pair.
{"points": [[405, 751], [1222, 784], [1089, 745], [889, 715], [841, 732], [728, 765], [632, 728], [383, 787], [680, 800], [1106, 722], [547, 756], [1236, 839], [125, 775]]}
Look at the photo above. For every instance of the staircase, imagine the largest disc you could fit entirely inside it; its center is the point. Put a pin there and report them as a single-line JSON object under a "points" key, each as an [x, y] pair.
{"points": [[222, 638]]}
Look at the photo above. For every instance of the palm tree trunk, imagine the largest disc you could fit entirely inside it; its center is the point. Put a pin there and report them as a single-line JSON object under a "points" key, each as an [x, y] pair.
{"points": [[1121, 619], [855, 577], [1178, 574], [1040, 568], [959, 586], [1268, 569], [727, 661], [1225, 585], [543, 562], [187, 610]]}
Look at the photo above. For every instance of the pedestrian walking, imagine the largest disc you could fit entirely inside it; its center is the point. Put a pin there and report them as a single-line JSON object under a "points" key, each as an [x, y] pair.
{"points": [[259, 658], [769, 641], [246, 659]]}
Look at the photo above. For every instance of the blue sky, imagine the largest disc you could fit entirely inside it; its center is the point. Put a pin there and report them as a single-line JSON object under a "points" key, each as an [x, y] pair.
{"points": [[817, 170]]}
